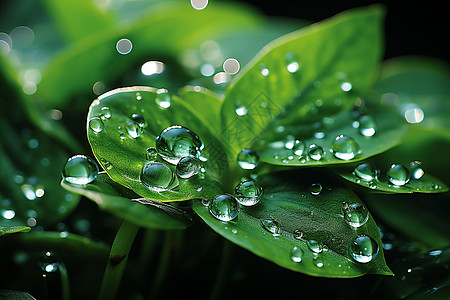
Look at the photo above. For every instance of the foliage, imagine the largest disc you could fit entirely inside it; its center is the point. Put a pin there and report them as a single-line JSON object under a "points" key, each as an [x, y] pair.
{"points": [[329, 132]]}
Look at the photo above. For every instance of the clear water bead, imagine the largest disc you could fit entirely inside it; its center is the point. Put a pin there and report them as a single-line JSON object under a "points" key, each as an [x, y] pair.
{"points": [[134, 129], [157, 176], [355, 214], [398, 174], [187, 167], [289, 142], [299, 147], [415, 168], [106, 113], [296, 254], [224, 207], [315, 188], [176, 142], [367, 126], [151, 154], [96, 125], [49, 263], [315, 246], [345, 147], [315, 152], [248, 159], [248, 193], [271, 226], [163, 98], [366, 172], [80, 169], [364, 249], [240, 109], [138, 119]]}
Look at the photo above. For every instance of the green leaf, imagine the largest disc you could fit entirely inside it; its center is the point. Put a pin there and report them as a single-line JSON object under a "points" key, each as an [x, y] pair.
{"points": [[311, 74], [15, 295], [13, 229], [288, 201], [123, 156], [117, 200]]}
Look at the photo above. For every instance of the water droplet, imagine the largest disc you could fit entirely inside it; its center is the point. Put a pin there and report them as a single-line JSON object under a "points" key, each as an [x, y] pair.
{"points": [[133, 129], [8, 214], [264, 70], [315, 246], [106, 113], [367, 126], [345, 147], [138, 119], [224, 207], [292, 64], [364, 249], [315, 188], [271, 226], [299, 147], [80, 169], [346, 86], [157, 176], [49, 263], [163, 98], [187, 167], [240, 109], [398, 174], [96, 124], [355, 215], [198, 188], [318, 261], [176, 142], [138, 96], [298, 234], [248, 193], [315, 152], [151, 154], [248, 159], [289, 142], [122, 135], [366, 172], [296, 254], [415, 168], [106, 164]]}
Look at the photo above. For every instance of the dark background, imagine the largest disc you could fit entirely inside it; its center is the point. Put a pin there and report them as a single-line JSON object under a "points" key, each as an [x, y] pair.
{"points": [[411, 27]]}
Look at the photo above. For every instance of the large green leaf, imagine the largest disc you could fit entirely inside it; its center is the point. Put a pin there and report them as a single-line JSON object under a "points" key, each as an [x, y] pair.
{"points": [[123, 156], [114, 198], [302, 78], [288, 201]]}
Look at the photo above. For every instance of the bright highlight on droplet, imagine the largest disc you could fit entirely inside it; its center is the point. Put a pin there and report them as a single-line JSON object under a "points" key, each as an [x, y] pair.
{"points": [[207, 70], [293, 67], [346, 86], [124, 46], [8, 214], [414, 115], [152, 67], [199, 4], [231, 66], [221, 77]]}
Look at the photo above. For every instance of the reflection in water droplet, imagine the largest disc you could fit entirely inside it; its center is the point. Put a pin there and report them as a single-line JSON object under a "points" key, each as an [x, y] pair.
{"points": [[315, 188], [315, 152], [271, 226], [157, 176], [96, 124], [289, 142], [106, 164], [163, 98], [176, 142], [298, 234], [355, 215], [415, 168], [366, 171], [138, 119], [224, 207], [364, 249], [80, 169], [106, 112], [299, 147], [318, 261], [398, 175], [133, 129], [345, 147], [151, 154], [248, 159], [296, 254], [315, 246], [187, 167], [248, 193], [367, 126]]}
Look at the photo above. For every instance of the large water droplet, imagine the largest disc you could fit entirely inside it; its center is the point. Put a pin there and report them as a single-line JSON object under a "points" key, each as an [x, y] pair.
{"points": [[163, 98], [224, 207], [133, 129], [415, 168], [271, 226], [315, 152], [157, 176], [315, 188], [364, 249], [315, 246], [248, 159], [398, 174], [345, 147], [96, 124], [106, 113], [366, 172], [367, 126], [299, 147], [248, 193], [296, 254], [355, 214], [80, 169], [176, 142], [187, 167]]}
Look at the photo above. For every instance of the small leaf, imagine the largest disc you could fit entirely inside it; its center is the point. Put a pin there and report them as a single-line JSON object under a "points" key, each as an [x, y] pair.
{"points": [[120, 142], [13, 229], [117, 200], [279, 227], [15, 295]]}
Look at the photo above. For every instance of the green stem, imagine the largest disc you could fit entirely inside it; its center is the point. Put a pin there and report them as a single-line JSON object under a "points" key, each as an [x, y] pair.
{"points": [[223, 270], [65, 286], [117, 260]]}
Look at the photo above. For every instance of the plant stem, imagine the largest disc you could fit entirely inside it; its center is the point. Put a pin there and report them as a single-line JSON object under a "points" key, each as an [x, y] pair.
{"points": [[223, 270], [117, 260], [65, 286]]}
